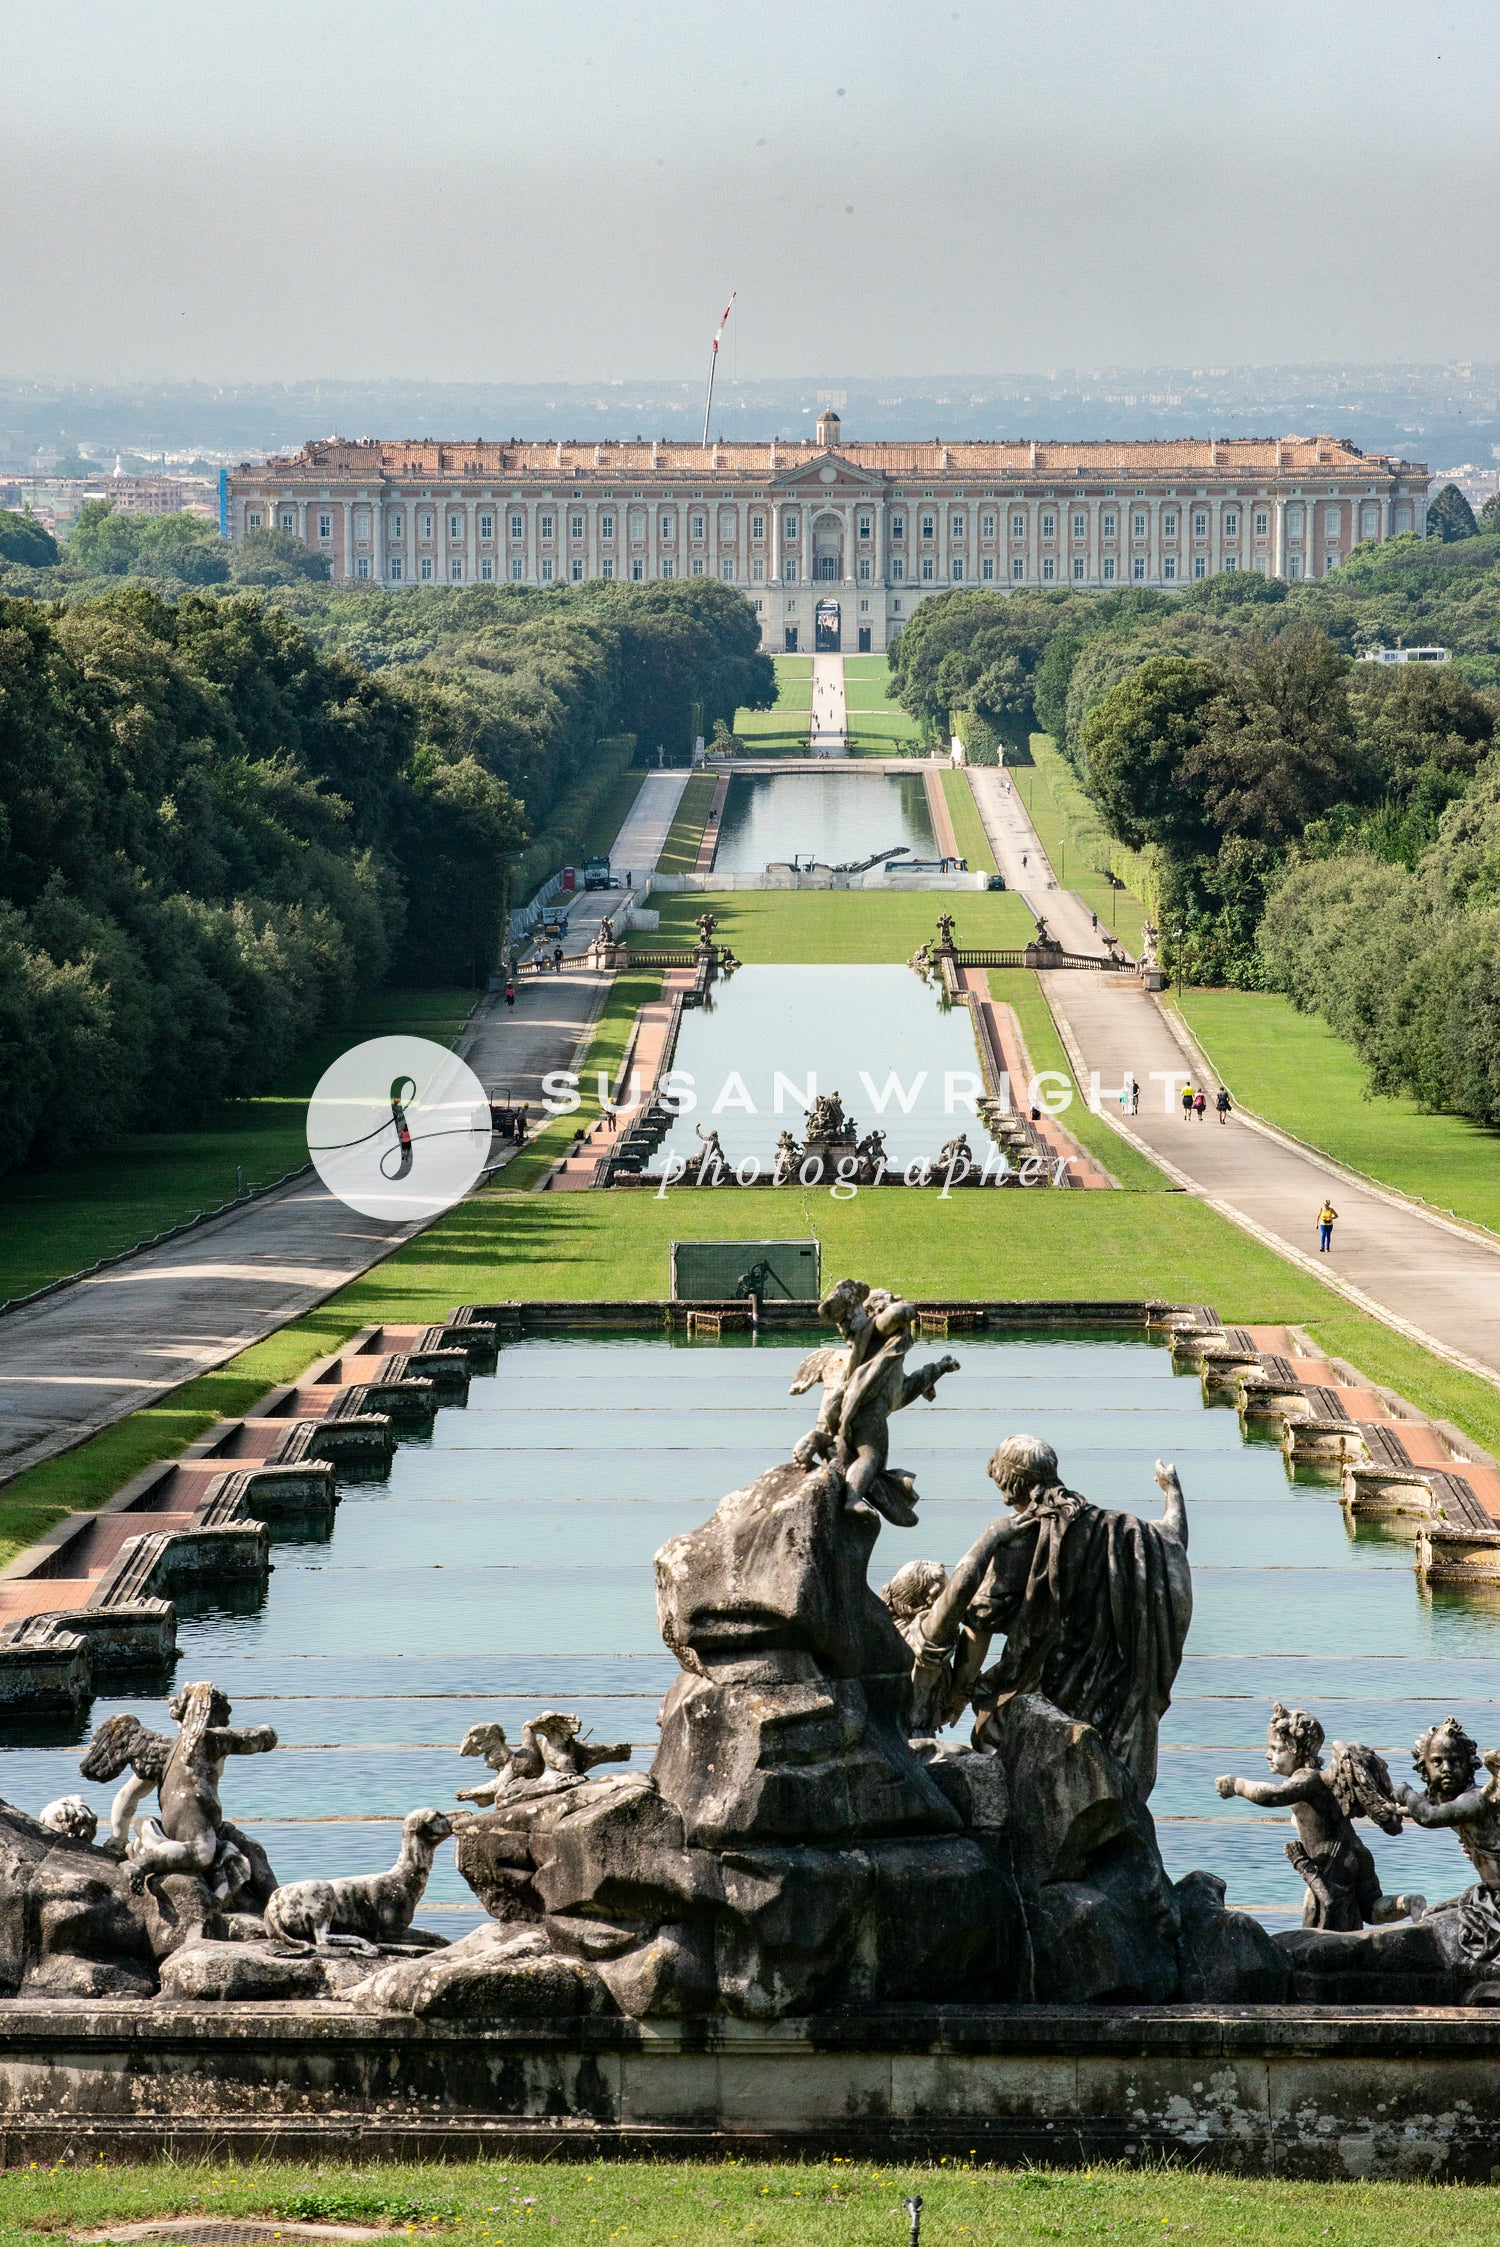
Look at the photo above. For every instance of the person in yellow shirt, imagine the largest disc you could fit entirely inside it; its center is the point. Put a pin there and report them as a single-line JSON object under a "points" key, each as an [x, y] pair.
{"points": [[1326, 1216]]}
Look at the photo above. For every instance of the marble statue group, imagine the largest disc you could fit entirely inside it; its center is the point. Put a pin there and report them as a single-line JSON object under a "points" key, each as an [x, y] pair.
{"points": [[938, 1794]]}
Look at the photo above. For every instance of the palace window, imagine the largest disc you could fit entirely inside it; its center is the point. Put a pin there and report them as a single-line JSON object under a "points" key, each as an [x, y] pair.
{"points": [[607, 566], [575, 526], [1369, 521], [929, 526], [866, 527], [362, 566], [1169, 524], [1200, 565], [637, 569], [1080, 525], [518, 526], [486, 568], [1107, 524], [695, 568], [789, 523], [253, 519], [898, 569], [957, 570], [395, 528], [987, 567], [424, 526], [455, 526], [1018, 567], [546, 570], [898, 526], [1138, 524], [544, 526], [1049, 526], [606, 526], [486, 526], [1294, 565], [864, 569], [1200, 526], [1138, 566], [325, 526], [668, 526], [1109, 569], [425, 571], [1169, 566], [757, 526], [395, 569], [726, 571], [1018, 526], [956, 526], [575, 569], [1294, 521], [517, 569], [456, 568], [1333, 521], [1231, 522], [695, 526], [1262, 522], [758, 571], [1078, 565], [986, 526], [1049, 569], [1231, 562], [289, 518]]}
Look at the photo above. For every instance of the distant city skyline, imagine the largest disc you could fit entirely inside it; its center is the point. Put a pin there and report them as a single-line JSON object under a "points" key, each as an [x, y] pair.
{"points": [[470, 193]]}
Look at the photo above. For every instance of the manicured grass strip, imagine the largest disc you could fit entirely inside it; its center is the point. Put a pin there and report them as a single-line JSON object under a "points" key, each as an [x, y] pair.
{"points": [[774, 2204], [609, 816], [785, 724], [680, 854], [63, 1217], [1293, 1070], [1073, 837], [1019, 986], [627, 994], [973, 842], [849, 926]]}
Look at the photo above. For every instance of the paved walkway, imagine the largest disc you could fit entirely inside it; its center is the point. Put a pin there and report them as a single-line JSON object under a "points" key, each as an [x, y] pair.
{"points": [[830, 724], [96, 1351], [1435, 1282]]}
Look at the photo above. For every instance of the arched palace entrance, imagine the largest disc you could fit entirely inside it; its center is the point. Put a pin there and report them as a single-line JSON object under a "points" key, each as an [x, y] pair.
{"points": [[826, 628]]}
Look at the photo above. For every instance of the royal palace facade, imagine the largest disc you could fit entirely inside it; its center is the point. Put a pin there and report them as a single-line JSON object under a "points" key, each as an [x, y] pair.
{"points": [[836, 543]]}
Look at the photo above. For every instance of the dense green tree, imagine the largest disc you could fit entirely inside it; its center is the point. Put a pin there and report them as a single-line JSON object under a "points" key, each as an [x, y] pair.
{"points": [[1449, 516], [23, 539], [272, 557], [1139, 741], [1489, 513]]}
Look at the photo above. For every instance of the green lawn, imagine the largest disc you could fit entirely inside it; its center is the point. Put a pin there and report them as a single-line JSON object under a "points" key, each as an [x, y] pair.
{"points": [[1292, 1069], [851, 926], [973, 842], [1073, 839], [680, 852], [65, 1216], [877, 728], [609, 815], [784, 726], [788, 2204]]}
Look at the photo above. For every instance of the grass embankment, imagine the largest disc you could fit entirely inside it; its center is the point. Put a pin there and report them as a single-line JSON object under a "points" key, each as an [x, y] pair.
{"points": [[813, 2204], [876, 726], [63, 1218], [1293, 1070], [782, 730], [1073, 837], [609, 815], [854, 926], [968, 831], [680, 851], [1135, 1171]]}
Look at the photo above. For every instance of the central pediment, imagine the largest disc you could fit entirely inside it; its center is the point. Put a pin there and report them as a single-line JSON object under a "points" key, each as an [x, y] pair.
{"points": [[826, 476]]}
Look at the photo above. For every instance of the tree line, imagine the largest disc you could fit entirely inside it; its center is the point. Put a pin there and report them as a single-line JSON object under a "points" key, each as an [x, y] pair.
{"points": [[1318, 825], [220, 817]]}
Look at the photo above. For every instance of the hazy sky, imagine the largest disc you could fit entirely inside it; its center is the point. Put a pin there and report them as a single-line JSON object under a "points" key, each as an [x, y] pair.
{"points": [[505, 189]]}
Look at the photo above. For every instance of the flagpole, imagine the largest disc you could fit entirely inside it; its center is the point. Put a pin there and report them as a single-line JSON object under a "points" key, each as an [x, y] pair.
{"points": [[713, 364]]}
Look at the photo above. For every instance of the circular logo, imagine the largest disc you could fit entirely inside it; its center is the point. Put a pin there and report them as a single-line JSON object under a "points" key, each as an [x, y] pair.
{"points": [[399, 1128]]}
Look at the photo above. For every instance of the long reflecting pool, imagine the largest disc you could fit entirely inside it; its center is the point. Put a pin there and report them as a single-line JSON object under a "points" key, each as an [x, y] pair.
{"points": [[901, 1060], [505, 1567], [837, 818]]}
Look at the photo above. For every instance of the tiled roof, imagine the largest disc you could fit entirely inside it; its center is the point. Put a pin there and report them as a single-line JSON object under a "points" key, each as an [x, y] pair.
{"points": [[620, 462]]}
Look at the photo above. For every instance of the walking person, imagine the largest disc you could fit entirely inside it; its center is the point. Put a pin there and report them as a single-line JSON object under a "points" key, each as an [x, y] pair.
{"points": [[1222, 1103], [1187, 1103], [1200, 1104], [1135, 1096], [1326, 1216], [510, 992]]}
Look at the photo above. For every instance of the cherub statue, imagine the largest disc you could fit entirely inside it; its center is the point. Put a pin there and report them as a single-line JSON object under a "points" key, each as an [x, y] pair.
{"points": [[713, 1158], [957, 1155], [871, 1148], [706, 924], [921, 960], [1343, 1885], [191, 1835], [945, 929], [935, 1613], [1449, 1762], [864, 1382], [552, 1751], [788, 1154], [606, 930]]}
